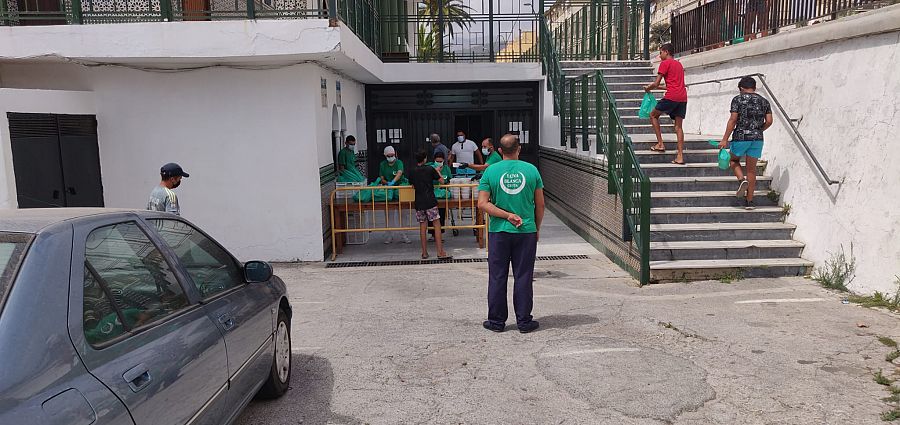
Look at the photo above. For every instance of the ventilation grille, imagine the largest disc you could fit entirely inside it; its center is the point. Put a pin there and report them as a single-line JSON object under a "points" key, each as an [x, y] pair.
{"points": [[77, 125], [31, 125], [453, 261]]}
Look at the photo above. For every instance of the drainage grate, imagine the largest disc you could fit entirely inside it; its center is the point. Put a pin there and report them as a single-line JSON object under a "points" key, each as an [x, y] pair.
{"points": [[453, 261]]}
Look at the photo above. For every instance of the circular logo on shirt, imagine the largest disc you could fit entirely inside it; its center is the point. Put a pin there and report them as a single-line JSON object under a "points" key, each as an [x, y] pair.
{"points": [[512, 182]]}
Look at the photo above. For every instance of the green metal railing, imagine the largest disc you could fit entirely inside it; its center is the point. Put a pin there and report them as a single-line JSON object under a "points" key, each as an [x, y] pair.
{"points": [[587, 110], [599, 29]]}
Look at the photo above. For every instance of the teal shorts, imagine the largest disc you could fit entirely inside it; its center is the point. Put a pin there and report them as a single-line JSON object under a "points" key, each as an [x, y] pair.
{"points": [[747, 148]]}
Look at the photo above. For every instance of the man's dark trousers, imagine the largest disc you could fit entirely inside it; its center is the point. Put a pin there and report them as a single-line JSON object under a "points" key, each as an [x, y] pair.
{"points": [[520, 249]]}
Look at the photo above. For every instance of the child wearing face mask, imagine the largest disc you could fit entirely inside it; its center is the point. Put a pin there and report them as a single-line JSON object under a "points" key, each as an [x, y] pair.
{"points": [[440, 164]]}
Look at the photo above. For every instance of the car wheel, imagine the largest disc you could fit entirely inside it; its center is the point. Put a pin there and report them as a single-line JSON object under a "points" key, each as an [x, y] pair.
{"points": [[280, 373]]}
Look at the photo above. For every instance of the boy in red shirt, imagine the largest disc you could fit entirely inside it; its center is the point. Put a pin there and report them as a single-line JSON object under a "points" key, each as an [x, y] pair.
{"points": [[674, 103]]}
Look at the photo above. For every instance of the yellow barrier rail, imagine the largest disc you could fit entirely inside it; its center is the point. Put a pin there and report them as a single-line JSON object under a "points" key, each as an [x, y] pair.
{"points": [[460, 199]]}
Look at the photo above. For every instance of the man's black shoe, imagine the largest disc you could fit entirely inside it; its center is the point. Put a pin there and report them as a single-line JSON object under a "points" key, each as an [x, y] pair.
{"points": [[492, 327], [529, 327]]}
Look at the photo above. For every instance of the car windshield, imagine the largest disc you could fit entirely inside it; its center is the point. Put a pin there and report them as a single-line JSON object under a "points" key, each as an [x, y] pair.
{"points": [[12, 251]]}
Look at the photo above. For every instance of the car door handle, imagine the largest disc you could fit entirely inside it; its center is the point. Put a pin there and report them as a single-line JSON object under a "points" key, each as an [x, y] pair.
{"points": [[226, 321], [137, 377]]}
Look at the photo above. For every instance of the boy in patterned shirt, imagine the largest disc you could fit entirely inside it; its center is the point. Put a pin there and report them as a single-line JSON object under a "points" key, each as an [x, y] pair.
{"points": [[751, 114]]}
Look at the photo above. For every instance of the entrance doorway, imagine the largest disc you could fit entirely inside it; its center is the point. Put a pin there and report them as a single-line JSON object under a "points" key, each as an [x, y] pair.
{"points": [[40, 12], [56, 160], [477, 126]]}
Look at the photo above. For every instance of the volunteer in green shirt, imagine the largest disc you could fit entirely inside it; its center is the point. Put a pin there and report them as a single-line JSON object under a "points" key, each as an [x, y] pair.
{"points": [[511, 193], [346, 163], [390, 172], [491, 156]]}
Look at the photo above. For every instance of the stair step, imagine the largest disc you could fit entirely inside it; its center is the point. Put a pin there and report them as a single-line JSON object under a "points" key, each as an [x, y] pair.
{"points": [[671, 145], [691, 169], [663, 271], [634, 119], [692, 155], [632, 94], [685, 215], [720, 231], [714, 183], [715, 198], [665, 128], [645, 78], [724, 250]]}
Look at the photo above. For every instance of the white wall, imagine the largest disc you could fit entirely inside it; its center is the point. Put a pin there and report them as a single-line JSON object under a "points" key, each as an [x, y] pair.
{"points": [[245, 136], [32, 101], [846, 91]]}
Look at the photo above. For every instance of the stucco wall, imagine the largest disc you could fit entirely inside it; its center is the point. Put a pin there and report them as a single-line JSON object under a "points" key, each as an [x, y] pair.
{"points": [[845, 92], [249, 138]]}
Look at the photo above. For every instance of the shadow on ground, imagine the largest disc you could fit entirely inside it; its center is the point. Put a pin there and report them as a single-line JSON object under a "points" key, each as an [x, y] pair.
{"points": [[566, 321], [308, 401]]}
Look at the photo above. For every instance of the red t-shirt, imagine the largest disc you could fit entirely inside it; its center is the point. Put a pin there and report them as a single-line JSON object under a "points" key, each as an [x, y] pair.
{"points": [[673, 72]]}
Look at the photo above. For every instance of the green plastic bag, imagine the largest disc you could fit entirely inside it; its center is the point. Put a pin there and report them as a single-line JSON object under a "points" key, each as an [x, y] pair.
{"points": [[724, 159], [380, 195], [647, 105]]}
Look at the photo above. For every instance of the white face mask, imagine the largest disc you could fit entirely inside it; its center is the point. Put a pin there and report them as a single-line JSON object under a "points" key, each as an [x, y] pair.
{"points": [[391, 159], [438, 164], [460, 139], [352, 147], [486, 151]]}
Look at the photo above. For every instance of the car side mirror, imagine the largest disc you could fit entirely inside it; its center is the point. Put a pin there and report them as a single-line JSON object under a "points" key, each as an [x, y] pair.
{"points": [[257, 271]]}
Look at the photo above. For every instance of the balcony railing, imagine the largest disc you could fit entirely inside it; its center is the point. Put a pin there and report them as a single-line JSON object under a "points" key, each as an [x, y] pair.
{"points": [[599, 29], [724, 22]]}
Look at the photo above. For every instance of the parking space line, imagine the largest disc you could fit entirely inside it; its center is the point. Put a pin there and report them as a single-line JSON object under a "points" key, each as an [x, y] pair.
{"points": [[781, 300], [593, 351]]}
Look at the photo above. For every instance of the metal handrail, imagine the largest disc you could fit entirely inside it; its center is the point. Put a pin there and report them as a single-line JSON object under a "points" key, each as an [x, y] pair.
{"points": [[790, 121]]}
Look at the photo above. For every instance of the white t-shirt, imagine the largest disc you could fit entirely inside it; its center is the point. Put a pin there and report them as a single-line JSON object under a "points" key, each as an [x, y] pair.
{"points": [[465, 151]]}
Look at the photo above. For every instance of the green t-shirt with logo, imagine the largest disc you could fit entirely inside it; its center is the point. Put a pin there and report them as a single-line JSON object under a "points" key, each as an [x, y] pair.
{"points": [[493, 158], [511, 184]]}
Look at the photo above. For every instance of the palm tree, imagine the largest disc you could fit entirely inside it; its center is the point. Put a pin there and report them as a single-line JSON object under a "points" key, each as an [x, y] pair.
{"points": [[451, 12]]}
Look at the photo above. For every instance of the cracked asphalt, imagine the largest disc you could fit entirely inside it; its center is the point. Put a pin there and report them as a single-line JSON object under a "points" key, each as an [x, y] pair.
{"points": [[404, 345]]}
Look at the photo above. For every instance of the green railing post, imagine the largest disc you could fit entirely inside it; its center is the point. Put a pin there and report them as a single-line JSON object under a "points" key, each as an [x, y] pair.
{"points": [[563, 113], [165, 10], [598, 113], [77, 17], [440, 32], [609, 26], [646, 20], [332, 13], [490, 29], [251, 9], [585, 116], [572, 142], [613, 150], [644, 231], [627, 193]]}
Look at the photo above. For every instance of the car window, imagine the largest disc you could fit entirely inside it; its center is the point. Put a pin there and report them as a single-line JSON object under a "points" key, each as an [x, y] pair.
{"points": [[127, 283], [12, 250], [211, 268]]}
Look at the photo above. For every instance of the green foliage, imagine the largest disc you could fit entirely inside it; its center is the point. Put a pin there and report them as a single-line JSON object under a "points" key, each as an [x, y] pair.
{"points": [[732, 276], [887, 341], [881, 379], [773, 196], [660, 34], [891, 415], [785, 211], [443, 15], [892, 356], [838, 271]]}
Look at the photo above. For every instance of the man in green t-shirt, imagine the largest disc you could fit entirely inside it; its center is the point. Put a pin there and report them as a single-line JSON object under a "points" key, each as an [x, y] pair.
{"points": [[511, 192], [491, 156], [346, 163]]}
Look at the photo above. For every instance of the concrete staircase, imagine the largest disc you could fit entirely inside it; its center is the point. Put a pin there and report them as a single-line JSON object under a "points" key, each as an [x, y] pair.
{"points": [[699, 229]]}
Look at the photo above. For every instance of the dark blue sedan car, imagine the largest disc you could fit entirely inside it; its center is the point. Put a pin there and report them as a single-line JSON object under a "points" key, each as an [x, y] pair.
{"points": [[133, 317]]}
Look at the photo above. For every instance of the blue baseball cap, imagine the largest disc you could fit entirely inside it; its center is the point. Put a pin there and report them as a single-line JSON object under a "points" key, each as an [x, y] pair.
{"points": [[172, 170]]}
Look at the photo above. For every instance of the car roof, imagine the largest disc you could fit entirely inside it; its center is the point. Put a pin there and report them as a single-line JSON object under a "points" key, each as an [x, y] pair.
{"points": [[33, 220]]}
